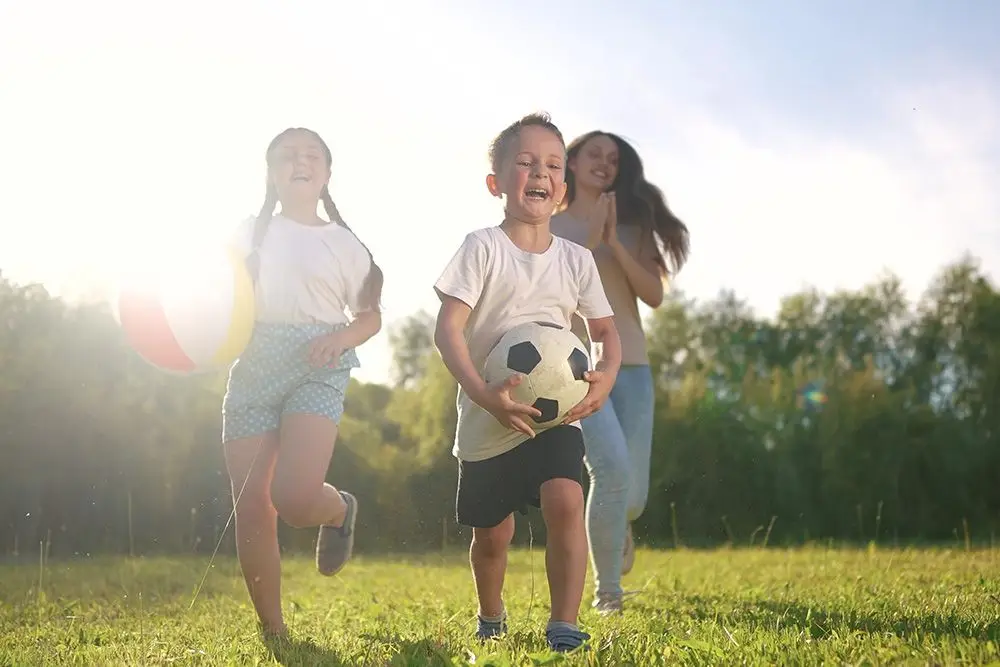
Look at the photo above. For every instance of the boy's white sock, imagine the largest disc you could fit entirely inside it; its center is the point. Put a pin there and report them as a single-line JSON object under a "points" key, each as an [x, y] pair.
{"points": [[494, 619]]}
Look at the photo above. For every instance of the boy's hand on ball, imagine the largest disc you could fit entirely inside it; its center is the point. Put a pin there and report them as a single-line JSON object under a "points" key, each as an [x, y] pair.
{"points": [[506, 410], [325, 351], [600, 387]]}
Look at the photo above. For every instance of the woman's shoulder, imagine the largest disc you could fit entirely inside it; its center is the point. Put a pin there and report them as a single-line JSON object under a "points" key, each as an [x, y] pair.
{"points": [[567, 226]]}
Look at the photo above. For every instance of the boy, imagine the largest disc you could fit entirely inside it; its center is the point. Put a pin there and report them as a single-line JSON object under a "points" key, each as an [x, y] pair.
{"points": [[501, 277]]}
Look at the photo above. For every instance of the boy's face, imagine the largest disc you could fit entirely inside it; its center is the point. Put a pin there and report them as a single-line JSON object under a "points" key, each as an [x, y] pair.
{"points": [[532, 176]]}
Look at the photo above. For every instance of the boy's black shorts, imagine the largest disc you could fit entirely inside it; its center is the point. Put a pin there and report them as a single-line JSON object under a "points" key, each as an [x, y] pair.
{"points": [[490, 490]]}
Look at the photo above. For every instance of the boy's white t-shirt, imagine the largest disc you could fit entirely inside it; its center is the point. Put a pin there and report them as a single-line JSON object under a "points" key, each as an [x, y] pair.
{"points": [[505, 287], [308, 273]]}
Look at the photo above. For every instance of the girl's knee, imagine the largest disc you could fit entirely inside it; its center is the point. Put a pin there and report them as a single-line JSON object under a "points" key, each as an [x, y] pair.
{"points": [[295, 505], [496, 539]]}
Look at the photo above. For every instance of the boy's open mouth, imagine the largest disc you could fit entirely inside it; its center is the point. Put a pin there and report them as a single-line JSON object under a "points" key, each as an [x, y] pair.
{"points": [[536, 194]]}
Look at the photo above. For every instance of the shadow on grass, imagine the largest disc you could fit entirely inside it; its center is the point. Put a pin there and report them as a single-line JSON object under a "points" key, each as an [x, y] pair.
{"points": [[395, 651], [820, 623], [287, 651]]}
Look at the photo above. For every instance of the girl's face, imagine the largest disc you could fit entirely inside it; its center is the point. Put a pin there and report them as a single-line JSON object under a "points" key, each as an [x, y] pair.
{"points": [[595, 166], [298, 167]]}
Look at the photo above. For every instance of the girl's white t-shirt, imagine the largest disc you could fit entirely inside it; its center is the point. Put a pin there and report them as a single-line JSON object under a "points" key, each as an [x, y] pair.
{"points": [[308, 273]]}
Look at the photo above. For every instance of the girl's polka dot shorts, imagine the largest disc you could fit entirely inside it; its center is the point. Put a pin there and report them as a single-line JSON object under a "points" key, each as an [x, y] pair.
{"points": [[273, 377]]}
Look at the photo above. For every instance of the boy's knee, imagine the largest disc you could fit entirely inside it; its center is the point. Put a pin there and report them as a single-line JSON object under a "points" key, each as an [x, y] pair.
{"points": [[562, 502], [494, 540]]}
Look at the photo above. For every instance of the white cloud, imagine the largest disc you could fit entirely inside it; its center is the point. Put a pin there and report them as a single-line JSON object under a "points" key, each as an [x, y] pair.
{"points": [[787, 208]]}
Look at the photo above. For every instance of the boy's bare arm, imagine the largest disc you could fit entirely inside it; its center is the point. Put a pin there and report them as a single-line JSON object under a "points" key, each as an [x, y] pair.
{"points": [[604, 331], [450, 341], [602, 378]]}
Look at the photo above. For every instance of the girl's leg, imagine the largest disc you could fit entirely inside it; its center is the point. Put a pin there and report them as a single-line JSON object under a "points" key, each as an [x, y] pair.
{"points": [[607, 462], [299, 489], [302, 496], [250, 462]]}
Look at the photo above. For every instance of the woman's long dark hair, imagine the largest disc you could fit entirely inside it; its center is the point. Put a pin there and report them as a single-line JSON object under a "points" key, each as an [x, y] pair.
{"points": [[639, 202]]}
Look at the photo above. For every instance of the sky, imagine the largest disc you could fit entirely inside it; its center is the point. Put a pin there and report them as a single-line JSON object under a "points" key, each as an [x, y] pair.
{"points": [[804, 144]]}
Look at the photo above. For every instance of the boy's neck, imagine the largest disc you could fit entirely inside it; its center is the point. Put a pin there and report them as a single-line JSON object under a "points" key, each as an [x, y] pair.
{"points": [[535, 238]]}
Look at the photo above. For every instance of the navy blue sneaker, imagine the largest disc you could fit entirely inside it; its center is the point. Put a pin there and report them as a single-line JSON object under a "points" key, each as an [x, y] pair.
{"points": [[564, 640], [490, 629]]}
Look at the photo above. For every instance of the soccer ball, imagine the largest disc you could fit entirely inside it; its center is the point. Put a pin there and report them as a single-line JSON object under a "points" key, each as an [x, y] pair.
{"points": [[553, 361]]}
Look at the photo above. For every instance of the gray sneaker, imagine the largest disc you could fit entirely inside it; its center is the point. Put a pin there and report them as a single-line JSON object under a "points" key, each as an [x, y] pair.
{"points": [[606, 604], [628, 553], [334, 545]]}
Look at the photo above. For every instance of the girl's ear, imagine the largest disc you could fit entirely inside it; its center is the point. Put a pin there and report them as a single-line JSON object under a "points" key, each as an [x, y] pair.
{"points": [[492, 185]]}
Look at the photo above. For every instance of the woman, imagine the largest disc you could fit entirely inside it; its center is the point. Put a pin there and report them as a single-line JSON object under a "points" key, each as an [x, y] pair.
{"points": [[637, 242]]}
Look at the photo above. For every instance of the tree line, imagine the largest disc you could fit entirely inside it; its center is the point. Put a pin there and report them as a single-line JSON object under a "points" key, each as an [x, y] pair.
{"points": [[102, 453]]}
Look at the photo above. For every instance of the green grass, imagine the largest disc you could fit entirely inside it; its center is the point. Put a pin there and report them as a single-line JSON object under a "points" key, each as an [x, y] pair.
{"points": [[806, 606]]}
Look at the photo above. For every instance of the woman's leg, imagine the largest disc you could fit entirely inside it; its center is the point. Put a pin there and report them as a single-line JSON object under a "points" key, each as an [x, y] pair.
{"points": [[608, 465], [633, 401], [250, 462]]}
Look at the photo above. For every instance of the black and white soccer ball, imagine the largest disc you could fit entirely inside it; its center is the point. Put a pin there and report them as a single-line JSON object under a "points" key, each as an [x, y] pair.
{"points": [[553, 361]]}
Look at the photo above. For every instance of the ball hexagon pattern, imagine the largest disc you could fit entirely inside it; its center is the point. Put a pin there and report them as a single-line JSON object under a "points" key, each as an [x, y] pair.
{"points": [[553, 361]]}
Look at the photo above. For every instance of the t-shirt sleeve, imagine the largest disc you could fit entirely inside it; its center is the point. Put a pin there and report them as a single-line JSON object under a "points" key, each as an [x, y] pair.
{"points": [[593, 303], [463, 277], [358, 264]]}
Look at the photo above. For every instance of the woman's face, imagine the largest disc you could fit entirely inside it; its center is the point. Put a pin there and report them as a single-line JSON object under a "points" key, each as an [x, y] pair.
{"points": [[595, 166]]}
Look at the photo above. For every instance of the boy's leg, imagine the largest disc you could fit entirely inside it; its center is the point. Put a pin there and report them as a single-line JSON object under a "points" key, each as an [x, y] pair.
{"points": [[488, 493], [488, 557], [566, 547], [558, 455]]}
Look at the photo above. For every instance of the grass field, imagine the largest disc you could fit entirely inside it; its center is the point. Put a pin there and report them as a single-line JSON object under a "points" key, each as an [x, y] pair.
{"points": [[805, 606]]}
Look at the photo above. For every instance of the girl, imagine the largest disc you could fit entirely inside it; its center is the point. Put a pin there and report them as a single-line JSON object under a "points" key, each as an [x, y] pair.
{"points": [[285, 394], [611, 208]]}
